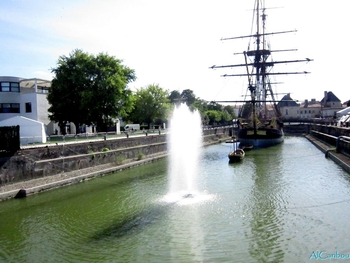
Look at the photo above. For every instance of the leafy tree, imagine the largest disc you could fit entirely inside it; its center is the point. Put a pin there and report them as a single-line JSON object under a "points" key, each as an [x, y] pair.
{"points": [[89, 90], [151, 104], [200, 105], [214, 116], [246, 110], [226, 117], [214, 106], [188, 97], [175, 97], [109, 91], [230, 110]]}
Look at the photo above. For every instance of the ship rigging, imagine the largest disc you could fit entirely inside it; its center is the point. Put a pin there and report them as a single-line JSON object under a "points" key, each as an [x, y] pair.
{"points": [[260, 128]]}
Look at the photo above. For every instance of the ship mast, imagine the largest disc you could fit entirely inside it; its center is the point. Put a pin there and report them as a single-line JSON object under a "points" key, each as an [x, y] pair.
{"points": [[261, 66]]}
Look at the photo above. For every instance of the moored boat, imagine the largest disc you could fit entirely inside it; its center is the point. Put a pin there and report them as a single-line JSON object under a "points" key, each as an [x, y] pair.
{"points": [[260, 123], [236, 155]]}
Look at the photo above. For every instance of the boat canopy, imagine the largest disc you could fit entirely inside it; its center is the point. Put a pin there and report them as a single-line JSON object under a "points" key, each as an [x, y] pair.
{"points": [[343, 112]]}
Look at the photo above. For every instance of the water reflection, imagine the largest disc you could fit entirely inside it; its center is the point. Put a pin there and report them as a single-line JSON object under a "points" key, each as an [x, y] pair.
{"points": [[266, 220]]}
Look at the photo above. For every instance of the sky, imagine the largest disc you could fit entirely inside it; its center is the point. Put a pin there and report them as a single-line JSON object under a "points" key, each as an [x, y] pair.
{"points": [[173, 43]]}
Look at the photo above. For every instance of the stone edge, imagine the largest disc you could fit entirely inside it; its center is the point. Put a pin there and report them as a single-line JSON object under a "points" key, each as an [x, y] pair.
{"points": [[330, 152]]}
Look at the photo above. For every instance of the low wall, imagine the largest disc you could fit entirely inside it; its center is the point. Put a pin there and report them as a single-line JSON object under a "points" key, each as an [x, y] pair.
{"points": [[338, 137], [51, 159], [331, 130], [296, 129]]}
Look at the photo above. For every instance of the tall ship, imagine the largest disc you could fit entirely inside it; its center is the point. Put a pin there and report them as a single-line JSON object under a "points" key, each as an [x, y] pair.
{"points": [[259, 122]]}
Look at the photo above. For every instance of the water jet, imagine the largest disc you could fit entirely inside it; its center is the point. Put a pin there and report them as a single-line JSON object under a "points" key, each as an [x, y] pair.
{"points": [[184, 146]]}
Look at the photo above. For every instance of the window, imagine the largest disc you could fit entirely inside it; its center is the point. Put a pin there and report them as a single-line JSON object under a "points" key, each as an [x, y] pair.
{"points": [[9, 87], [14, 87], [28, 107], [5, 86], [42, 90], [9, 107]]}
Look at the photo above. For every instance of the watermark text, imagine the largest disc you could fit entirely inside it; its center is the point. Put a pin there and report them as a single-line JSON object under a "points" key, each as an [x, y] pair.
{"points": [[324, 255]]}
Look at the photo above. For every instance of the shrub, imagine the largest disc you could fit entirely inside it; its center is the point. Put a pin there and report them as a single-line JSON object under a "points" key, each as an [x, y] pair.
{"points": [[139, 156], [120, 160]]}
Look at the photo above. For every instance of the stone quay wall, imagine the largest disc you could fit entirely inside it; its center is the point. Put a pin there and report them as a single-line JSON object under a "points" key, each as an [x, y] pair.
{"points": [[51, 159], [338, 137], [335, 136]]}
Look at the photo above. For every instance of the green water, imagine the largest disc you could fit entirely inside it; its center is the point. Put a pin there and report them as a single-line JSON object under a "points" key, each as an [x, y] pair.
{"points": [[281, 204]]}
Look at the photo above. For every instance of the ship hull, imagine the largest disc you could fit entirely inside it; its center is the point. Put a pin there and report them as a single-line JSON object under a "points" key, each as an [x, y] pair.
{"points": [[261, 139]]}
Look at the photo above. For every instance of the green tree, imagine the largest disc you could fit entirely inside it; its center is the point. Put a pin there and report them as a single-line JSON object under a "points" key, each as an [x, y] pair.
{"points": [[175, 97], [214, 116], [200, 105], [188, 97], [246, 110], [226, 117], [214, 106], [230, 110], [109, 91], [151, 104], [89, 90]]}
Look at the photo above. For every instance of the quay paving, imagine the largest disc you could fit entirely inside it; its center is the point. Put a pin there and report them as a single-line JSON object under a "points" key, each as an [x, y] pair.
{"points": [[330, 152]]}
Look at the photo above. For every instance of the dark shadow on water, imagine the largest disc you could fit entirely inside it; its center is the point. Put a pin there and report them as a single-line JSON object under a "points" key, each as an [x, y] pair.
{"points": [[132, 223]]}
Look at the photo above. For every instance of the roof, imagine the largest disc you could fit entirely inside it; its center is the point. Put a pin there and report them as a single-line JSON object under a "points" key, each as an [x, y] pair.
{"points": [[330, 98], [287, 101], [26, 83], [29, 83], [19, 120]]}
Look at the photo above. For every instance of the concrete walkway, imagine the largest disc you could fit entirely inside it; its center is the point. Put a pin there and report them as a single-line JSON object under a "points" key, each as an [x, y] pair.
{"points": [[330, 152]]}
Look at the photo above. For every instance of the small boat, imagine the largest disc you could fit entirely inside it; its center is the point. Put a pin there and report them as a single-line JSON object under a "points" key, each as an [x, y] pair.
{"points": [[236, 155]]}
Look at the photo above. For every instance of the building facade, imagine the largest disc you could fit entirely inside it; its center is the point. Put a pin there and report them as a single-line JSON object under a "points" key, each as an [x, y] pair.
{"points": [[326, 108], [24, 102], [24, 97], [28, 98], [330, 105]]}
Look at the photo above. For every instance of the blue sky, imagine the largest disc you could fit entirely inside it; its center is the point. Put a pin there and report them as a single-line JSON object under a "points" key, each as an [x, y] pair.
{"points": [[173, 43]]}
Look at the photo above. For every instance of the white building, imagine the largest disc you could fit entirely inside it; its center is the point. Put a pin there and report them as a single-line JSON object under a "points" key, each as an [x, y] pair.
{"points": [[26, 98], [326, 108], [20, 97]]}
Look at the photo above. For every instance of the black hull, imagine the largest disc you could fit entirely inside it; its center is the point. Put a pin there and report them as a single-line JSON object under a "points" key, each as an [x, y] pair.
{"points": [[261, 139]]}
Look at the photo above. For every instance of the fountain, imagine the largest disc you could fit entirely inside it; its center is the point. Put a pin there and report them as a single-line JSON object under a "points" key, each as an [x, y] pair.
{"points": [[185, 143]]}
